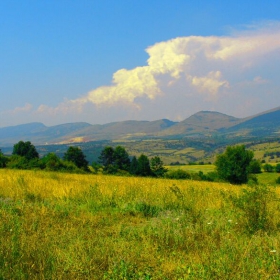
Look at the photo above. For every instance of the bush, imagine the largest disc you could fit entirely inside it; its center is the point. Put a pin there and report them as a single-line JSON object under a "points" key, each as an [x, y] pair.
{"points": [[277, 181], [268, 167], [210, 177], [252, 179], [277, 168], [213, 176], [177, 174], [71, 167], [3, 160], [254, 204], [18, 162], [96, 166], [52, 162], [255, 167]]}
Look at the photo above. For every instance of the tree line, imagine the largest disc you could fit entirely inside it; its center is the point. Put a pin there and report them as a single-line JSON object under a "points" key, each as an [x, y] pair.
{"points": [[111, 161], [236, 165]]}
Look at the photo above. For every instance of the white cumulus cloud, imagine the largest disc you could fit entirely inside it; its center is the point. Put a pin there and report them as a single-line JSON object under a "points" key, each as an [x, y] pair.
{"points": [[201, 67], [201, 59]]}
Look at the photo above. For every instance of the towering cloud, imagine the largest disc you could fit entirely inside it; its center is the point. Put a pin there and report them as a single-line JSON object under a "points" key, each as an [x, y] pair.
{"points": [[199, 62], [231, 74]]}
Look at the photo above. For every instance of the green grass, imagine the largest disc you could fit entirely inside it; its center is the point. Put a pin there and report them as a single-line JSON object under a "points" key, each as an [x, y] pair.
{"points": [[205, 168], [69, 226], [267, 178]]}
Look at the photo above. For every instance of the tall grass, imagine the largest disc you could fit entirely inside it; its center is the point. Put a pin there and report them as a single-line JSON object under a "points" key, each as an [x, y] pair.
{"points": [[69, 226]]}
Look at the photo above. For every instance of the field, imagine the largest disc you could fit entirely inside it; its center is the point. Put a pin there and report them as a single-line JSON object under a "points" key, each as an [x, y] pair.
{"points": [[205, 168], [69, 226]]}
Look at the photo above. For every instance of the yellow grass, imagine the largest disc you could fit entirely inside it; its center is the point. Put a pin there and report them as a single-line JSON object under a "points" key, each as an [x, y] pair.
{"points": [[69, 226], [205, 168]]}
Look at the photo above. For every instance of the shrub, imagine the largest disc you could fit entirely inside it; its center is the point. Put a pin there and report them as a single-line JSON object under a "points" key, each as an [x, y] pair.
{"points": [[18, 162], [255, 167], [71, 167], [254, 204], [177, 174], [210, 177], [268, 167], [277, 168], [3, 160], [213, 176], [52, 162], [96, 166]]}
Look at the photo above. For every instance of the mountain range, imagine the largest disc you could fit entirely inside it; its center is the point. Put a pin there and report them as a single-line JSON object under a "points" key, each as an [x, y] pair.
{"points": [[201, 124]]}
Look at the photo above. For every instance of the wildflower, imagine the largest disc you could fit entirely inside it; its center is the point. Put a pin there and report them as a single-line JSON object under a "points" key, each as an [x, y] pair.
{"points": [[272, 251]]}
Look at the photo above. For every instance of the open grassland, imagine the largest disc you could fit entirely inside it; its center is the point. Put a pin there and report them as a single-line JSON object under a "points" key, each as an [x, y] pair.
{"points": [[260, 151], [65, 226], [205, 168], [268, 178]]}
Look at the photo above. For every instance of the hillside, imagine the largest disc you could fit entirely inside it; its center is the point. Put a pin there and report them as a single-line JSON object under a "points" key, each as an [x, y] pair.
{"points": [[201, 124], [125, 129], [260, 125]]}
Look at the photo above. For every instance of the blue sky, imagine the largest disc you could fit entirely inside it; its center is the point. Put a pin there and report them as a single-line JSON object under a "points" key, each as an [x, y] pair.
{"points": [[104, 61]]}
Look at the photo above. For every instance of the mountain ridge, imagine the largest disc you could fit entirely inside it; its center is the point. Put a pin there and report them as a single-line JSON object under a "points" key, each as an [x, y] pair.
{"points": [[200, 124]]}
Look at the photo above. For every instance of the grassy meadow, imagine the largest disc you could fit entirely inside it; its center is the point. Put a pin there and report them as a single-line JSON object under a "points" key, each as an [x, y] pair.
{"points": [[69, 226], [205, 168]]}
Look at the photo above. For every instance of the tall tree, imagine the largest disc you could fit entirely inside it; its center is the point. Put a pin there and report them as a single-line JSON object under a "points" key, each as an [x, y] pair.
{"points": [[76, 155], [106, 158], [143, 167], [121, 158], [25, 149], [233, 164], [157, 166], [133, 166]]}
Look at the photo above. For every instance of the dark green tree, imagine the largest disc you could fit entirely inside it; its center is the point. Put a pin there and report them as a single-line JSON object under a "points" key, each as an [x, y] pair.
{"points": [[25, 149], [277, 168], [121, 158], [106, 158], [143, 167], [96, 166], [177, 174], [233, 164], [133, 166], [3, 160], [76, 155], [52, 162], [268, 167], [157, 166], [255, 167]]}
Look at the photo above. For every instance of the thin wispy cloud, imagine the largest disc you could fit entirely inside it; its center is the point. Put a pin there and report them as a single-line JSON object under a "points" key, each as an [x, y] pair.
{"points": [[26, 108]]}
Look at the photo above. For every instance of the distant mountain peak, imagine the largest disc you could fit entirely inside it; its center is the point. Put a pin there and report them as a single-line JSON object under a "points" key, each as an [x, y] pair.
{"points": [[200, 124]]}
